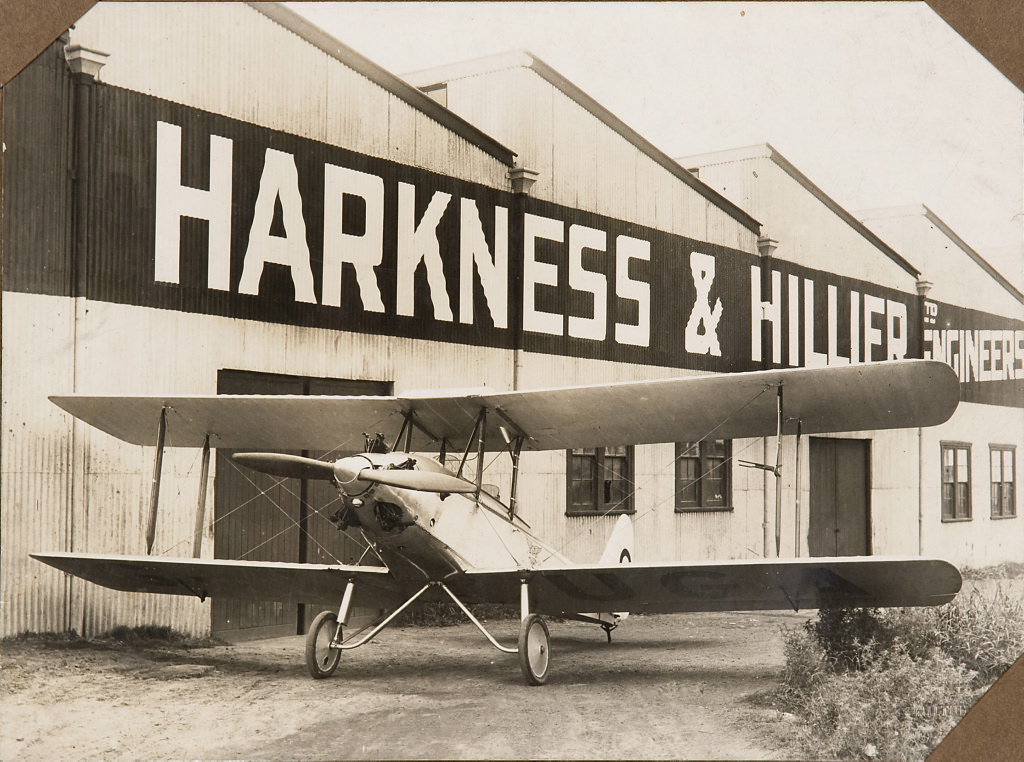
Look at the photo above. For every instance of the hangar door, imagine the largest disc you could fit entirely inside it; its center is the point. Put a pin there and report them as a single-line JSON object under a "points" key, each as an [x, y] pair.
{"points": [[840, 519], [264, 518]]}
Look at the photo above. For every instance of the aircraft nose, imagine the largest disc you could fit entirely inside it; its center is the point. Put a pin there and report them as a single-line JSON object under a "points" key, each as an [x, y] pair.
{"points": [[346, 473]]}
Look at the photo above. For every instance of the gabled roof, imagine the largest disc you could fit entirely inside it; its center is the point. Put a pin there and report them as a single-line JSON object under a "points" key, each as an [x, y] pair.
{"points": [[395, 85], [767, 151], [525, 59], [920, 210]]}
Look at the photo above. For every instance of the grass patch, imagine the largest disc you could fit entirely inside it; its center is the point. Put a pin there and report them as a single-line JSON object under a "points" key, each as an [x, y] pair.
{"points": [[154, 635], [143, 636], [1009, 570], [891, 683]]}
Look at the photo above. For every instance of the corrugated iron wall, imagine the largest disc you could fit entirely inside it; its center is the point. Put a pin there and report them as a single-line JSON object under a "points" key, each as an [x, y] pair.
{"points": [[593, 168], [230, 59]]}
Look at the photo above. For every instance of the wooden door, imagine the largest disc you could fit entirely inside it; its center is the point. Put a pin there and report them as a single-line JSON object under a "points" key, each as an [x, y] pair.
{"points": [[839, 523], [264, 518]]}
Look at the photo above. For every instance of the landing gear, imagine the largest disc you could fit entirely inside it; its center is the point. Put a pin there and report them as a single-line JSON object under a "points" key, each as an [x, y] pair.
{"points": [[534, 650], [324, 641], [322, 653]]}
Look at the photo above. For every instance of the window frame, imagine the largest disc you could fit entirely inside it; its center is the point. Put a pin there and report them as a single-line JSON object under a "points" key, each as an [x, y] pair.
{"points": [[703, 504], [955, 515], [626, 507], [998, 508]]}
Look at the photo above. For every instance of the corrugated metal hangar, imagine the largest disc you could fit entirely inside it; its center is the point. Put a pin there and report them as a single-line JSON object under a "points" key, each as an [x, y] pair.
{"points": [[185, 214]]}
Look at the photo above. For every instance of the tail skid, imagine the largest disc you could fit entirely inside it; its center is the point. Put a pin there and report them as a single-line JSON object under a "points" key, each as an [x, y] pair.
{"points": [[619, 550]]}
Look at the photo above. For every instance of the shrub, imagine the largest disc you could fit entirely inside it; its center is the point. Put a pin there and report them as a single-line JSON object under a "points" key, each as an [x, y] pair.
{"points": [[894, 708], [891, 683], [985, 633]]}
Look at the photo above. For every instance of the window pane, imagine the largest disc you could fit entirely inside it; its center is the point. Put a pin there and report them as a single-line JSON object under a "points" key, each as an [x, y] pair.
{"points": [[947, 501], [962, 497], [1008, 465], [583, 466], [687, 474], [961, 465]]}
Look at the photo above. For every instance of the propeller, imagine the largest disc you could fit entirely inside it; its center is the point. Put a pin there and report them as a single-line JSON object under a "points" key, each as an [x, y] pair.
{"points": [[424, 481], [277, 464], [352, 473]]}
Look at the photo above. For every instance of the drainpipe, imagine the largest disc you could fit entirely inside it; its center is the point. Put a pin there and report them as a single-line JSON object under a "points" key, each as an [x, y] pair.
{"points": [[85, 65], [521, 179], [766, 248], [923, 287]]}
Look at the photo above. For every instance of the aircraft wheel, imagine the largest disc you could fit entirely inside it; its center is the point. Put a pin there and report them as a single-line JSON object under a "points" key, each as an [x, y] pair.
{"points": [[321, 659], [534, 650]]}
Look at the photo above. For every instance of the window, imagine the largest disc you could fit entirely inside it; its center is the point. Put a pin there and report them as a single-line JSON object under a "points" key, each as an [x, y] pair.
{"points": [[703, 475], [956, 481], [600, 481], [1004, 485]]}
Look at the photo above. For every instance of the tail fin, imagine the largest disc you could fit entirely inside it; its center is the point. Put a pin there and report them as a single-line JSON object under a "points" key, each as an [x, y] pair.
{"points": [[620, 545], [619, 550]]}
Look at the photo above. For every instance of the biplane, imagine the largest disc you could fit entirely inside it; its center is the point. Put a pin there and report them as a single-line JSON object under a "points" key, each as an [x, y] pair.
{"points": [[441, 534]]}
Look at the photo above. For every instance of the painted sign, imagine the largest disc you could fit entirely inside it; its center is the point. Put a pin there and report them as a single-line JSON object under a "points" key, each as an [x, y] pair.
{"points": [[197, 212], [986, 351]]}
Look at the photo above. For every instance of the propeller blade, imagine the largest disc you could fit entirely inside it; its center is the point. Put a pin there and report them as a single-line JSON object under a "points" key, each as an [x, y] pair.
{"points": [[424, 481], [277, 464]]}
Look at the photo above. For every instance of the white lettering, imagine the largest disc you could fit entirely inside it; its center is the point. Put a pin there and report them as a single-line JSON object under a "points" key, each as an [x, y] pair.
{"points": [[418, 243], [493, 272], [854, 327], [363, 252], [539, 274], [834, 358], [581, 279], [280, 180], [702, 327], [762, 311], [812, 358], [794, 320], [627, 248], [174, 201], [873, 305], [896, 333]]}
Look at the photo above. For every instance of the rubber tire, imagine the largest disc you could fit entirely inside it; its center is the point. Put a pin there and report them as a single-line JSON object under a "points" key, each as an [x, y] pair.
{"points": [[321, 659], [534, 650]]}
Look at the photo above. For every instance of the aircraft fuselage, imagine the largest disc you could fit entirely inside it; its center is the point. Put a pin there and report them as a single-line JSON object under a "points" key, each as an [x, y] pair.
{"points": [[427, 535]]}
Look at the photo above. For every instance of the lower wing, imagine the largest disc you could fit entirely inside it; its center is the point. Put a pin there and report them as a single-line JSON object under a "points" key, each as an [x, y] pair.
{"points": [[221, 578], [747, 585]]}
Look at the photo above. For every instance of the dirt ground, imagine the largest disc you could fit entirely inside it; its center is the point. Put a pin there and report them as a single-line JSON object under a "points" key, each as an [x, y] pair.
{"points": [[680, 686]]}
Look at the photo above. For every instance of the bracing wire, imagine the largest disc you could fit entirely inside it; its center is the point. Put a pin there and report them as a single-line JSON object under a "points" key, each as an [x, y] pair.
{"points": [[635, 486]]}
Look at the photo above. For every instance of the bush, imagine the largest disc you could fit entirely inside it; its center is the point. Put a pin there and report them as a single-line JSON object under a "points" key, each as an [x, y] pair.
{"points": [[985, 633], [891, 683], [895, 708]]}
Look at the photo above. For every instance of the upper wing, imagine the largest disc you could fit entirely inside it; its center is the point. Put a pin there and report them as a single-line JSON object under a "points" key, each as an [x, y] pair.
{"points": [[722, 585], [899, 394], [245, 580]]}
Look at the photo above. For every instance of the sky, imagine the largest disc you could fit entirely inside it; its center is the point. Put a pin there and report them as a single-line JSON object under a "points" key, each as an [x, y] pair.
{"points": [[879, 103]]}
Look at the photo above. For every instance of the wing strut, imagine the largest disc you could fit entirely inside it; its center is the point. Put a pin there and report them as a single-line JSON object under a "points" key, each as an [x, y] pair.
{"points": [[204, 472], [154, 494], [796, 536], [776, 470]]}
